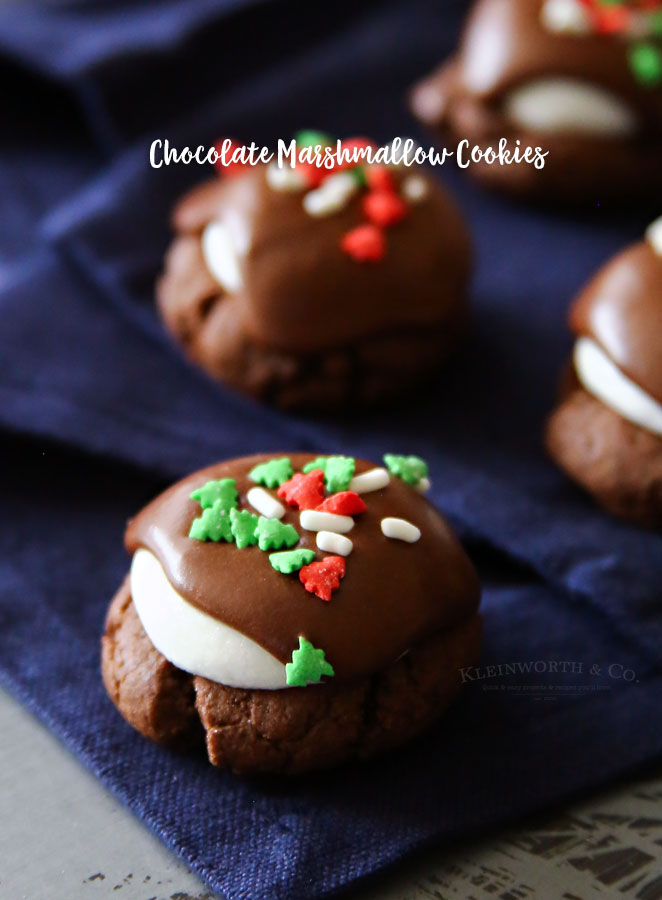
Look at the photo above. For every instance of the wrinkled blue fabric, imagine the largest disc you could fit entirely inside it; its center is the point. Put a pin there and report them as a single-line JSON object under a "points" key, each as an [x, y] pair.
{"points": [[99, 410]]}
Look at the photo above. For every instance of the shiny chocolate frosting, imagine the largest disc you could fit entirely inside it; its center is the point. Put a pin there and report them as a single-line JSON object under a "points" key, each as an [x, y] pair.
{"points": [[393, 595], [505, 45], [621, 309], [301, 293]]}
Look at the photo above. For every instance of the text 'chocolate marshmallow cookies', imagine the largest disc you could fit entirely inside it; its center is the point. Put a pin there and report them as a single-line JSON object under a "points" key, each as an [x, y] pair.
{"points": [[580, 78], [607, 430], [318, 288], [297, 611]]}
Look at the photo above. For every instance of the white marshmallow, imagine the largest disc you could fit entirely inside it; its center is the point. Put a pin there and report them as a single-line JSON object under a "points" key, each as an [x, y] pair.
{"points": [[221, 257], [194, 641], [568, 106], [401, 530], [316, 520], [331, 542], [602, 378], [654, 235], [265, 504], [373, 480]]}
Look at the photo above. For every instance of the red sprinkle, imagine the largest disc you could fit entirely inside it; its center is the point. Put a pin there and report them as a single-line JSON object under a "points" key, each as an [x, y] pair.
{"points": [[384, 208], [304, 491], [611, 20], [344, 503], [379, 178], [323, 577], [232, 169], [364, 244], [313, 175]]}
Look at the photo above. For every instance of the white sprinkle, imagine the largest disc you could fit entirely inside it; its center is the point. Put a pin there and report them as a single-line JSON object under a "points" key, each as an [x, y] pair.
{"points": [[415, 188], [373, 480], [331, 542], [285, 179], [565, 17], [265, 504], [401, 530], [317, 203], [331, 196], [654, 235], [423, 486], [314, 520], [342, 184]]}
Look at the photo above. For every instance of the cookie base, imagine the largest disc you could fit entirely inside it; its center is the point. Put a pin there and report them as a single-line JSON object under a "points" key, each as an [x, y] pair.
{"points": [[617, 462], [290, 731], [371, 371]]}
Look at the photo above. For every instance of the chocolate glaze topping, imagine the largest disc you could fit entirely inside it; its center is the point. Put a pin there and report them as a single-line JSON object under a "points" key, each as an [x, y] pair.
{"points": [[621, 309], [393, 595], [505, 45], [294, 266]]}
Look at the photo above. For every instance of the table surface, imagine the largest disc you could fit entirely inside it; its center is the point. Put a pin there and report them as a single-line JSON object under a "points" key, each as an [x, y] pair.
{"points": [[63, 837]]}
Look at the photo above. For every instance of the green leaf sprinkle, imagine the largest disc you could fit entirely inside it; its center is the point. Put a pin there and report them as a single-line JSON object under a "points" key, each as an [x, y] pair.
{"points": [[338, 471], [289, 561], [410, 468], [646, 63], [223, 490], [272, 534], [307, 666], [213, 525], [244, 527], [272, 473]]}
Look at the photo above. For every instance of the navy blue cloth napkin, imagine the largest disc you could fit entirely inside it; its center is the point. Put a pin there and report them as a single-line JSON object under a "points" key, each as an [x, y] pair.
{"points": [[99, 410]]}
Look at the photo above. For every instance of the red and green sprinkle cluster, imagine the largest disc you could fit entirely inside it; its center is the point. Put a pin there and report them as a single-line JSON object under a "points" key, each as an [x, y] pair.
{"points": [[640, 22], [329, 188], [324, 486], [382, 205]]}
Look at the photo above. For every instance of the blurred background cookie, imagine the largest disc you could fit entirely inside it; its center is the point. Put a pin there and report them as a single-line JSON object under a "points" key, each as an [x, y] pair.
{"points": [[580, 78], [607, 430], [294, 611], [318, 288]]}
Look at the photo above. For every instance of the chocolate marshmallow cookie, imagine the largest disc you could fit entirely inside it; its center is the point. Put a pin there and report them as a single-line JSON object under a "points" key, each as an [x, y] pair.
{"points": [[315, 288], [582, 79], [294, 611], [607, 431]]}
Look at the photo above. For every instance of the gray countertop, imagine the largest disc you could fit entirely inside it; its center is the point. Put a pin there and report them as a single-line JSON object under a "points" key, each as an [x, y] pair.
{"points": [[63, 837]]}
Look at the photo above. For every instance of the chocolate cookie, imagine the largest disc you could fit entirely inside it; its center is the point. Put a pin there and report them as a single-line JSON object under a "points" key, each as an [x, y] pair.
{"points": [[607, 430], [297, 619], [317, 295], [579, 78]]}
